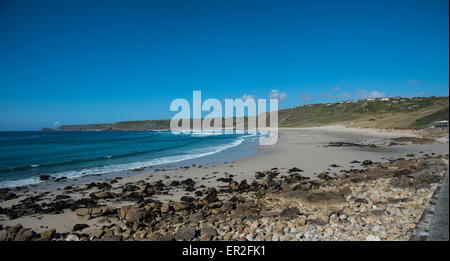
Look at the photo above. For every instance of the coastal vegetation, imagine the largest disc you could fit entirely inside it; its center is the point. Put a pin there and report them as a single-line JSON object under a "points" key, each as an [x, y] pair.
{"points": [[397, 113]]}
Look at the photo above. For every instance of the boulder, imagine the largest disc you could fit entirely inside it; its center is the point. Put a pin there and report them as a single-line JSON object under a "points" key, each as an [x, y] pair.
{"points": [[79, 227], [88, 213], [98, 233], [289, 212], [72, 238], [166, 207], [294, 169], [178, 206], [132, 214], [207, 233], [48, 234], [44, 177], [185, 233], [146, 190], [3, 235], [367, 162], [24, 235], [325, 199]]}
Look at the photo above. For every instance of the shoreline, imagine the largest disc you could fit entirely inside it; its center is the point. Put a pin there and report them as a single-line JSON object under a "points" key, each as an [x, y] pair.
{"points": [[315, 161], [213, 162]]}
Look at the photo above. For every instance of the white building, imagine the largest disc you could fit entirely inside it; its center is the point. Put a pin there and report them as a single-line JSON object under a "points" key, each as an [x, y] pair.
{"points": [[438, 124]]}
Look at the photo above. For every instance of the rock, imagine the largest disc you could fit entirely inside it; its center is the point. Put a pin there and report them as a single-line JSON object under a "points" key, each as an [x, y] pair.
{"points": [[48, 234], [301, 220], [187, 199], [101, 211], [196, 217], [3, 235], [82, 212], [104, 195], [367, 162], [372, 238], [323, 176], [345, 191], [211, 195], [146, 190], [323, 218], [276, 237], [79, 227], [234, 186], [188, 182], [294, 169], [289, 212], [246, 210], [207, 233], [410, 155], [334, 165], [165, 208], [259, 175], [227, 206], [375, 229], [227, 237], [185, 233], [72, 238], [174, 183], [226, 180], [61, 197], [24, 235], [267, 180], [211, 198], [113, 238], [88, 213], [132, 214], [44, 177], [178, 206], [14, 229], [243, 186], [324, 199], [403, 172]]}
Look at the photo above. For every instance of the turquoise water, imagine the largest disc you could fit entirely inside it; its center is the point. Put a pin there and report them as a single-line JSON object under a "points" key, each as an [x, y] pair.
{"points": [[24, 156]]}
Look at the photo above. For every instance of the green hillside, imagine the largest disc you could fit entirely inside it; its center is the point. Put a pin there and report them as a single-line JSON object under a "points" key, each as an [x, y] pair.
{"points": [[379, 113], [399, 113]]}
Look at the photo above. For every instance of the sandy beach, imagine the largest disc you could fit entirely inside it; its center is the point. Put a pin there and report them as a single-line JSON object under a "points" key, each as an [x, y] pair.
{"points": [[313, 151]]}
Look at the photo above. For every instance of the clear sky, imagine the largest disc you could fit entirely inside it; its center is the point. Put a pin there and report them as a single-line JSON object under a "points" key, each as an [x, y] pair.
{"points": [[70, 62]]}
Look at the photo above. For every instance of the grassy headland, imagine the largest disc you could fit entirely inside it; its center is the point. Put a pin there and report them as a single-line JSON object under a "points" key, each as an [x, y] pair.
{"points": [[397, 113]]}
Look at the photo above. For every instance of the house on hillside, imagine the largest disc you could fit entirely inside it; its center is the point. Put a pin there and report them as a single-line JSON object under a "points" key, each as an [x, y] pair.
{"points": [[438, 124]]}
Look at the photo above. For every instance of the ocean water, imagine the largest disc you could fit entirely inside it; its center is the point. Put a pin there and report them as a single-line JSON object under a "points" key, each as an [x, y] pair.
{"points": [[24, 156]]}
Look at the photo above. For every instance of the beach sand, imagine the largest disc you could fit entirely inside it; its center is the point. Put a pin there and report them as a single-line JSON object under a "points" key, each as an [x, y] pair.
{"points": [[303, 148]]}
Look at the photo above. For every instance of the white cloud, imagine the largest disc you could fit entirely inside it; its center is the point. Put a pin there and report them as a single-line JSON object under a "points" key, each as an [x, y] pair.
{"points": [[343, 96], [275, 94], [363, 94], [248, 96], [56, 123]]}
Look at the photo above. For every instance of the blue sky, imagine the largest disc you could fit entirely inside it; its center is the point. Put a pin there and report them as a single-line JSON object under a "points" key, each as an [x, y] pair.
{"points": [[70, 62]]}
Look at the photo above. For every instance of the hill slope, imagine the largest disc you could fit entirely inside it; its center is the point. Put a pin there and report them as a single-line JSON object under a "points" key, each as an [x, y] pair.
{"points": [[398, 113]]}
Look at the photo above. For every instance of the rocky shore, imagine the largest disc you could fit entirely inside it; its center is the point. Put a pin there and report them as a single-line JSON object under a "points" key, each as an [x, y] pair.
{"points": [[376, 201]]}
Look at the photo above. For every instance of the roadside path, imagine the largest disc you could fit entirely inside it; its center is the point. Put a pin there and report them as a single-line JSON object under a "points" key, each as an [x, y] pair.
{"points": [[433, 225]]}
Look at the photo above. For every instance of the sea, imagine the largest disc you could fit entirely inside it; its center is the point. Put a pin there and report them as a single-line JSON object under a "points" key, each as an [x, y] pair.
{"points": [[26, 155]]}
